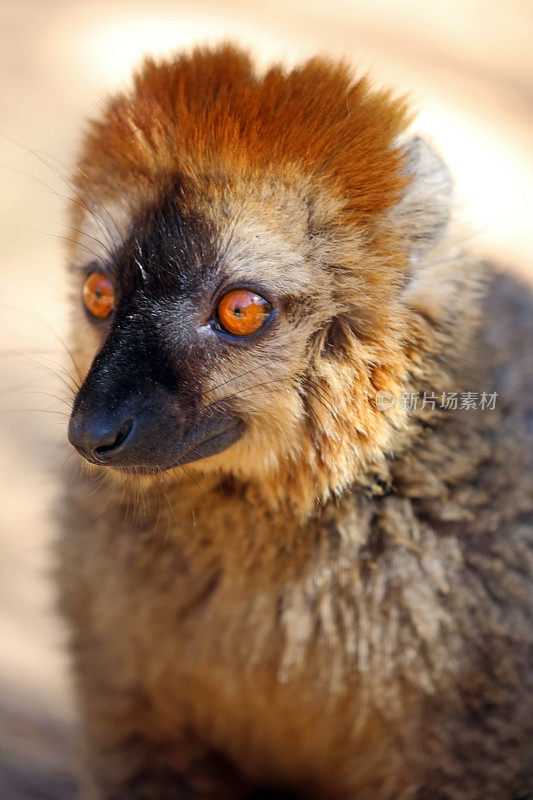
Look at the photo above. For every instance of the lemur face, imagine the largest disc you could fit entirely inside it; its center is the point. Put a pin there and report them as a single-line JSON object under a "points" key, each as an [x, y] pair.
{"points": [[202, 315], [244, 247]]}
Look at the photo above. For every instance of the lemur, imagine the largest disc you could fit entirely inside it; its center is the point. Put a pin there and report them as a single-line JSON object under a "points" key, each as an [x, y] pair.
{"points": [[297, 563]]}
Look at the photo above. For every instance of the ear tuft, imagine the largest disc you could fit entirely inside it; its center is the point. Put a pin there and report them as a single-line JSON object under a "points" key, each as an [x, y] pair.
{"points": [[425, 208]]}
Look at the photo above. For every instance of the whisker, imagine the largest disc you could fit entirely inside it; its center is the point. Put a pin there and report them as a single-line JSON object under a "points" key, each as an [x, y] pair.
{"points": [[319, 394], [102, 205], [70, 184], [228, 380], [66, 199], [48, 394], [55, 370], [88, 235], [29, 350], [35, 411], [62, 374], [249, 388], [66, 239], [59, 338]]}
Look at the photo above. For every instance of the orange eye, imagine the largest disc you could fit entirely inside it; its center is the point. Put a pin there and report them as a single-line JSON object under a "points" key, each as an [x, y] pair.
{"points": [[242, 312], [98, 295]]}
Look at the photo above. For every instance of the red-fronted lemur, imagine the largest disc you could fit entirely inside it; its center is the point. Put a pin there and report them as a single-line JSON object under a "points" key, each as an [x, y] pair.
{"points": [[279, 582]]}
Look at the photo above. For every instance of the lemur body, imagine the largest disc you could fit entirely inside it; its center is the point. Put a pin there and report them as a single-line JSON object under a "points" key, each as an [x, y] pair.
{"points": [[315, 594]]}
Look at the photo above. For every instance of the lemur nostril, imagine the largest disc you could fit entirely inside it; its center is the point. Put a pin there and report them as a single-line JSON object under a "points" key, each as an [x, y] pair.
{"points": [[121, 437]]}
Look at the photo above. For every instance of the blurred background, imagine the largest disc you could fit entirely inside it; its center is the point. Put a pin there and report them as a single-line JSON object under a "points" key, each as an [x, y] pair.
{"points": [[468, 67]]}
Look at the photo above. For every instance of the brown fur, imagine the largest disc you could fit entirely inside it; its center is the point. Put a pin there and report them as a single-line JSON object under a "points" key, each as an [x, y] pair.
{"points": [[338, 604]]}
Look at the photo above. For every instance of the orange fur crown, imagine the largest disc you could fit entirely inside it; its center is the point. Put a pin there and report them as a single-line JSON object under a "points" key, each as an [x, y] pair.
{"points": [[211, 108]]}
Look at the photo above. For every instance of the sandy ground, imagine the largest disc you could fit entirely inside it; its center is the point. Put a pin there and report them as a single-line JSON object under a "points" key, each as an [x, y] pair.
{"points": [[469, 68]]}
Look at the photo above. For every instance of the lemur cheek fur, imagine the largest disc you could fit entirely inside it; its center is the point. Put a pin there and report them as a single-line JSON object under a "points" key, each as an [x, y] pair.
{"points": [[294, 567]]}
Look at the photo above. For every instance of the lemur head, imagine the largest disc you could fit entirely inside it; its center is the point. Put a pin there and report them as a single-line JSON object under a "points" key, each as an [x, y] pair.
{"points": [[243, 272]]}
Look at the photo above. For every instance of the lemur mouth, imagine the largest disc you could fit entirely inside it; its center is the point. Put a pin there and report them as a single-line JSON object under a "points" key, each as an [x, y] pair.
{"points": [[211, 436], [149, 442], [193, 451], [194, 447]]}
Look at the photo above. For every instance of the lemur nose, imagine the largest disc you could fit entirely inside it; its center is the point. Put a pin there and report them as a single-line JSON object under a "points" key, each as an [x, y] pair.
{"points": [[100, 439]]}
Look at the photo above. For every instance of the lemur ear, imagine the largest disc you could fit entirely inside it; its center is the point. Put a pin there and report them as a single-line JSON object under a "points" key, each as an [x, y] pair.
{"points": [[425, 208]]}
